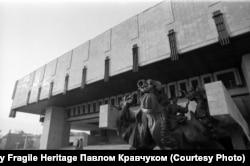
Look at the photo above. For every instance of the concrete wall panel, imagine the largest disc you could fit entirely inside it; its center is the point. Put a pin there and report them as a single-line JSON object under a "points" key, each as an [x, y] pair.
{"points": [[153, 36], [50, 70], [191, 20], [63, 66], [107, 40], [237, 16], [222, 106], [134, 28], [97, 54], [79, 57], [95, 69], [121, 53], [193, 28], [22, 91], [38, 78]]}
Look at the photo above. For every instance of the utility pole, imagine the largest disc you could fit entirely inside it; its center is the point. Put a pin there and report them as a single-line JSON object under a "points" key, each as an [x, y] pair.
{"points": [[25, 142], [17, 144]]}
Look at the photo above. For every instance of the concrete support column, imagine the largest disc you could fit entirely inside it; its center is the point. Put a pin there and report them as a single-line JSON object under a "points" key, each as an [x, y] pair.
{"points": [[245, 66], [238, 139], [56, 130]]}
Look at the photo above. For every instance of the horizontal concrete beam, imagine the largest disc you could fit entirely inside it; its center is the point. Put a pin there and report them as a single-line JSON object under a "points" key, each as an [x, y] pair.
{"points": [[83, 117], [108, 116], [222, 106]]}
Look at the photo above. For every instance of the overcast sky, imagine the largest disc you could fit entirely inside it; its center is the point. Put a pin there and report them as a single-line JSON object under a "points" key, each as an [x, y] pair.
{"points": [[33, 34]]}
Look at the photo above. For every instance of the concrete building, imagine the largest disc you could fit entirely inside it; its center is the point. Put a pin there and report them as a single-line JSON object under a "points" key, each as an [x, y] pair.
{"points": [[177, 43]]}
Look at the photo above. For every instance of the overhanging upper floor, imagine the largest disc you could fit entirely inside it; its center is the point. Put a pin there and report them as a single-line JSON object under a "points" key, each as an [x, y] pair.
{"points": [[197, 44]]}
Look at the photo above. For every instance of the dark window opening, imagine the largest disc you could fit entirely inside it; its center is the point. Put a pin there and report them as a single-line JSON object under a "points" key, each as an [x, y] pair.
{"points": [[165, 89], [106, 71], [194, 83], [100, 102], [135, 58], [94, 107], [71, 111], [68, 112], [97, 107], [28, 98], [136, 96], [183, 87], [76, 110], [39, 94], [207, 80], [172, 91], [140, 95], [84, 110], [173, 45], [80, 109], [103, 132], [112, 101], [106, 101], [14, 92], [41, 119], [51, 89], [221, 28], [94, 132], [89, 108], [119, 99], [228, 79], [84, 76], [66, 84]]}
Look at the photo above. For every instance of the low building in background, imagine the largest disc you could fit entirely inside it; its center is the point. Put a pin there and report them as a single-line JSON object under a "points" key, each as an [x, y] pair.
{"points": [[20, 141]]}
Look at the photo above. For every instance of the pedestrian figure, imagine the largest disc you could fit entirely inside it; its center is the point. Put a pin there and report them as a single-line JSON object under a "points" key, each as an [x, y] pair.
{"points": [[80, 144]]}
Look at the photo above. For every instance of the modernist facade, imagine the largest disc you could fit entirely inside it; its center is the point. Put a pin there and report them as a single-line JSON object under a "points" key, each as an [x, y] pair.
{"points": [[178, 43]]}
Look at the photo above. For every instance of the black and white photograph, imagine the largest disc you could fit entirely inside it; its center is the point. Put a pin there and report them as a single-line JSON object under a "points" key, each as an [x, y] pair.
{"points": [[125, 75]]}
